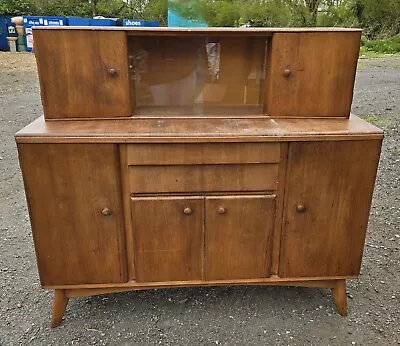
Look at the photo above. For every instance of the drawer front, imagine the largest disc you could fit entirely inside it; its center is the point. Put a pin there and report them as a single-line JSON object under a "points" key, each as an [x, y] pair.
{"points": [[213, 153], [203, 178]]}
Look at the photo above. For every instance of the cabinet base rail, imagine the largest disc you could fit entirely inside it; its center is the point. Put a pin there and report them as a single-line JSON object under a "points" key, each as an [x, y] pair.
{"points": [[62, 295]]}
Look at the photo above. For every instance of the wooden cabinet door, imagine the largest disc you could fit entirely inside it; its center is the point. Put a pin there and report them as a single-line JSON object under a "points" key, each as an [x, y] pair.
{"points": [[238, 237], [168, 234], [327, 201], [311, 74], [74, 198], [83, 73]]}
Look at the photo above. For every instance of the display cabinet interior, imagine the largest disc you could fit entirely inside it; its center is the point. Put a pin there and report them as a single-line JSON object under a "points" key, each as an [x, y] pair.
{"points": [[198, 75]]}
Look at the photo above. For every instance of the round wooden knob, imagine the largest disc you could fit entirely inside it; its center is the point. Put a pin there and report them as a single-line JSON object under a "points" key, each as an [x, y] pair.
{"points": [[187, 211], [287, 72], [221, 210], [112, 71], [106, 212], [301, 208]]}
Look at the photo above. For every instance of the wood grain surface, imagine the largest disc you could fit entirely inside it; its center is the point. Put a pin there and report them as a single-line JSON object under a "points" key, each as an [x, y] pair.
{"points": [[67, 188], [75, 81], [334, 181], [238, 237], [218, 153], [320, 69], [203, 178], [168, 240], [196, 130]]}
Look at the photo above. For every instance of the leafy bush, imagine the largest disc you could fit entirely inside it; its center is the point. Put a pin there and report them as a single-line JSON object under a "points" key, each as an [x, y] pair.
{"points": [[389, 46]]}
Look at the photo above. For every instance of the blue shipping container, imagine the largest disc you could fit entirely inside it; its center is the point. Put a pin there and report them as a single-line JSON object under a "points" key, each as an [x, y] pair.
{"points": [[103, 22], [30, 21], [78, 21], [7, 29], [3, 34], [139, 22], [133, 22], [151, 23]]}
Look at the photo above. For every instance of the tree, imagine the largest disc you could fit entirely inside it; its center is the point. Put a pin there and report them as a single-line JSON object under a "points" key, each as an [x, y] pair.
{"points": [[304, 12], [17, 7], [234, 12]]}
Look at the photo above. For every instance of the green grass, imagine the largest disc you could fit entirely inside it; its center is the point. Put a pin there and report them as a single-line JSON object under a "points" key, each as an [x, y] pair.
{"points": [[374, 48], [376, 120]]}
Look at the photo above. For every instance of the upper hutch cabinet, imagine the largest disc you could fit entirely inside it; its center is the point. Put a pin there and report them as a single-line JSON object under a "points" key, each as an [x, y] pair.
{"points": [[88, 79], [111, 74], [311, 74]]}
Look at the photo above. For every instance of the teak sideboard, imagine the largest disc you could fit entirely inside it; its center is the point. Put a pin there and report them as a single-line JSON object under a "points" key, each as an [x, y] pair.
{"points": [[197, 157]]}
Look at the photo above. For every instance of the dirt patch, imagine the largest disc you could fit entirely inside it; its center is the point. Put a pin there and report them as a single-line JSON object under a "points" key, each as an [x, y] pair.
{"points": [[209, 316]]}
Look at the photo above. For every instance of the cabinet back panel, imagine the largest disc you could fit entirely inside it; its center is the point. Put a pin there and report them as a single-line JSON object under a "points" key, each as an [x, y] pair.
{"points": [[67, 187], [321, 68], [74, 72], [334, 181]]}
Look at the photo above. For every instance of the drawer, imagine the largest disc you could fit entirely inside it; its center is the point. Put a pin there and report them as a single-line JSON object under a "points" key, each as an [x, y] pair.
{"points": [[203, 178], [211, 153]]}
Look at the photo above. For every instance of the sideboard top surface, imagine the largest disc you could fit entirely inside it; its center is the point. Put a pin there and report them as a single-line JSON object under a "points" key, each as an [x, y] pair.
{"points": [[199, 31], [165, 130]]}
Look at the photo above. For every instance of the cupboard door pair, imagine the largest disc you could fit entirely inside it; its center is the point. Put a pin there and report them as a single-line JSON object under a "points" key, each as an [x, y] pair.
{"points": [[196, 238]]}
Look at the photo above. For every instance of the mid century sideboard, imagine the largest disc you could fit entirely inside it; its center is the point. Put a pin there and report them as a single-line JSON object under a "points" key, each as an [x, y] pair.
{"points": [[197, 157]]}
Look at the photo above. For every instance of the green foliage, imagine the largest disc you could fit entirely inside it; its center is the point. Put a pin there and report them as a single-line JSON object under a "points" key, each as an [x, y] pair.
{"points": [[137, 9], [304, 12], [80, 8], [234, 12], [389, 46], [274, 13], [342, 14], [379, 18], [156, 10], [17, 7], [222, 13]]}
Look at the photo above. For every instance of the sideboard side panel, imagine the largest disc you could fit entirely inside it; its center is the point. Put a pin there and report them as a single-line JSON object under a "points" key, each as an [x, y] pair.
{"points": [[334, 181], [67, 187]]}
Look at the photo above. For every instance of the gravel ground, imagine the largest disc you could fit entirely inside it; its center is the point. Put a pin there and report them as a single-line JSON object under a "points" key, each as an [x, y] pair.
{"points": [[206, 316]]}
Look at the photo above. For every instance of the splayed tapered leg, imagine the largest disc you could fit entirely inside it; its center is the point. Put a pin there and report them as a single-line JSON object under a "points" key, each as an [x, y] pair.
{"points": [[59, 305], [340, 298]]}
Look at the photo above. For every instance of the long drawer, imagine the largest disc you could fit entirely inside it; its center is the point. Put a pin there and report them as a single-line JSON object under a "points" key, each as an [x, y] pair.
{"points": [[210, 153], [198, 178]]}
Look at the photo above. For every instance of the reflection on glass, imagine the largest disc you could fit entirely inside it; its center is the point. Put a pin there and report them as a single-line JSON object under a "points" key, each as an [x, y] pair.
{"points": [[197, 75]]}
